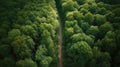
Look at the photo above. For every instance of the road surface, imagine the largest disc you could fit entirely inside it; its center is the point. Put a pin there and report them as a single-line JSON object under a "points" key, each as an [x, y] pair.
{"points": [[60, 44]]}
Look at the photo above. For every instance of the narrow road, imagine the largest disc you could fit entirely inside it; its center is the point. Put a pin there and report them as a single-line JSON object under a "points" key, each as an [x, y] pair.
{"points": [[58, 6], [60, 45]]}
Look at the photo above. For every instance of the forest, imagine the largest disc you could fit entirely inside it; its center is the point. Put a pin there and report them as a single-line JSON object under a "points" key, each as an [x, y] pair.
{"points": [[59, 33]]}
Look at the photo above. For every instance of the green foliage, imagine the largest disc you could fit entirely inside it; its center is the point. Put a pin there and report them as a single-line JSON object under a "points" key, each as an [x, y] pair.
{"points": [[81, 1], [108, 42], [26, 63], [102, 11], [99, 19], [84, 25], [23, 46], [110, 16], [70, 23], [116, 60], [78, 16], [83, 10], [100, 59], [41, 56], [116, 11], [93, 30], [7, 62], [89, 18], [4, 51], [80, 52], [93, 7], [105, 28], [14, 33], [110, 1], [82, 37], [69, 31], [117, 37], [68, 6], [74, 15], [29, 32]]}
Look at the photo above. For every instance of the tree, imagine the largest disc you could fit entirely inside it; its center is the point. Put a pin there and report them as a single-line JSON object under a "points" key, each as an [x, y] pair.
{"points": [[99, 19], [109, 1], [69, 16], [13, 33], [108, 42], [80, 53], [23, 46], [99, 59], [3, 32], [7, 62], [110, 16], [77, 29], [93, 7], [73, 24], [93, 30], [68, 6], [116, 61], [4, 51], [84, 26], [102, 11], [26, 63], [69, 31], [70, 23], [117, 36], [29, 30], [77, 15], [82, 37], [84, 11], [44, 27], [81, 1], [41, 56], [89, 18], [105, 28], [98, 43], [45, 34], [45, 62]]}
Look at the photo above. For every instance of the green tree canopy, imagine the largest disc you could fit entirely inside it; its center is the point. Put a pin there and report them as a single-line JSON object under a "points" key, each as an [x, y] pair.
{"points": [[23, 46], [81, 52], [100, 59], [93, 30], [99, 19], [41, 56], [89, 17], [105, 28], [7, 62], [14, 33], [26, 63]]}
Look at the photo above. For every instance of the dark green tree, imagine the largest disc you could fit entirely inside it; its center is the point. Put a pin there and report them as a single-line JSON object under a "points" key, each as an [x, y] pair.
{"points": [[7, 62], [79, 53], [93, 30], [105, 28]]}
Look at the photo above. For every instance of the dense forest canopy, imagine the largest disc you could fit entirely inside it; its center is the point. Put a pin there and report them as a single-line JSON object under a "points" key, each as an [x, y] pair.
{"points": [[29, 33]]}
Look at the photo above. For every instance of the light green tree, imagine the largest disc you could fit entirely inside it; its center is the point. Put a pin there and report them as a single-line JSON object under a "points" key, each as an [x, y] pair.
{"points": [[26, 63], [41, 56], [23, 46]]}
